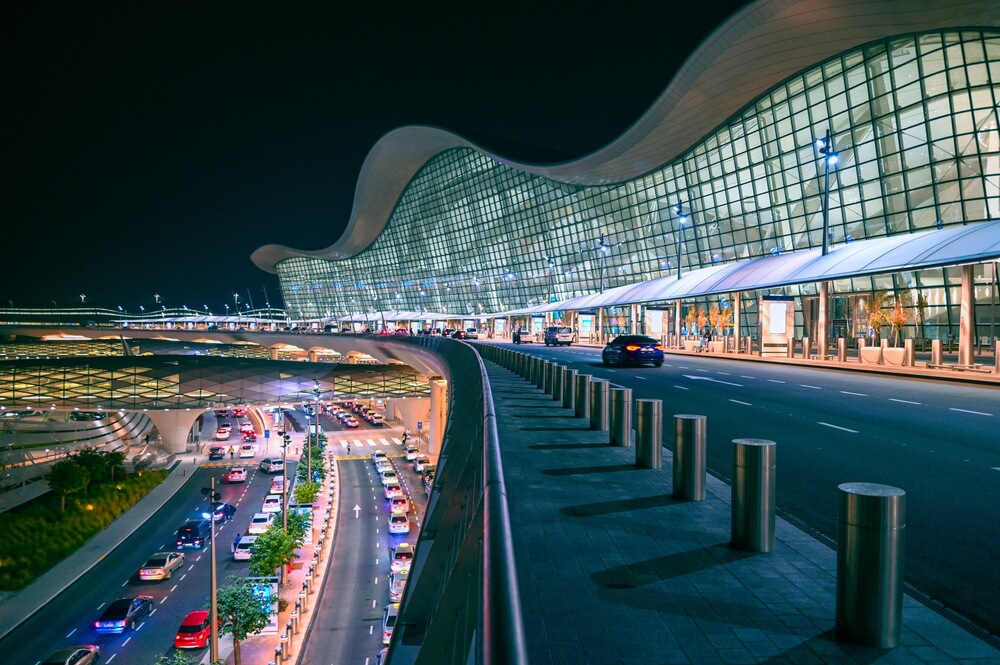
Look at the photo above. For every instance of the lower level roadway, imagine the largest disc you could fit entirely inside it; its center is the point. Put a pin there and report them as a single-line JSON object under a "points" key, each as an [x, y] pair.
{"points": [[347, 628], [69, 618], [938, 440]]}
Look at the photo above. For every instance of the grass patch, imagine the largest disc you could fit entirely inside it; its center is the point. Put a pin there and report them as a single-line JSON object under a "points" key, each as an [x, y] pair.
{"points": [[38, 535]]}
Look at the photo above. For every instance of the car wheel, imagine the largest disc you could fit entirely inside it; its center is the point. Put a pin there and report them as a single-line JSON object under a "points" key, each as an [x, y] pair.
{"points": [[604, 361], [658, 364], [169, 573]]}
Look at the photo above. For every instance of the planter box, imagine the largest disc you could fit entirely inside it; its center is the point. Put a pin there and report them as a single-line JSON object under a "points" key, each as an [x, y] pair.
{"points": [[871, 355], [893, 356]]}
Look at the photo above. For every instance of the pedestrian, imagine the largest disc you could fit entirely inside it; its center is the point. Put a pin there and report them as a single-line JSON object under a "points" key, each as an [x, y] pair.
{"points": [[348, 447], [232, 452], [147, 439], [236, 541]]}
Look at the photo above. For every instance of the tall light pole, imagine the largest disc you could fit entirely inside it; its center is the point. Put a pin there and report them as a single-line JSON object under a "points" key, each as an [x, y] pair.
{"points": [[681, 221], [316, 393], [830, 158], [214, 613]]}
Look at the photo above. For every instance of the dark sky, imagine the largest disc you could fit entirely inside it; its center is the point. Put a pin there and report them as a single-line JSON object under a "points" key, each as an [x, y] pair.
{"points": [[152, 149]]}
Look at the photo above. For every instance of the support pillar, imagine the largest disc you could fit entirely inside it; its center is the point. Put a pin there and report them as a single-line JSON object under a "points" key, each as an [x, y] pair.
{"points": [[173, 426], [273, 353], [737, 322], [967, 320], [439, 414], [677, 324], [313, 356], [821, 324]]}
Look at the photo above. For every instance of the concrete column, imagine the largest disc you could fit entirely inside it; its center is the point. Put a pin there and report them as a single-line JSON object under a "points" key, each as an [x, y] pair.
{"points": [[937, 356], [821, 324], [805, 348], [967, 320], [439, 414], [842, 349], [737, 322], [273, 353], [636, 326], [908, 353], [173, 426], [996, 357], [677, 323], [314, 356]]}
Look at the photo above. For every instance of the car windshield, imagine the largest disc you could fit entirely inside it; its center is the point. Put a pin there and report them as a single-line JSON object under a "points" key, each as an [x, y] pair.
{"points": [[403, 556], [118, 609], [157, 561], [390, 620], [398, 518]]}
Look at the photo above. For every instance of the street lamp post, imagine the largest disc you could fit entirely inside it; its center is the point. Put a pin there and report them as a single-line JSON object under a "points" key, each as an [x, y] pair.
{"points": [[825, 147], [214, 613], [681, 221]]}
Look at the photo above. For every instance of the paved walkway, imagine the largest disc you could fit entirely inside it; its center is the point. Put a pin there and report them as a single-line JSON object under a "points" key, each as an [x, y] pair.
{"points": [[613, 570]]}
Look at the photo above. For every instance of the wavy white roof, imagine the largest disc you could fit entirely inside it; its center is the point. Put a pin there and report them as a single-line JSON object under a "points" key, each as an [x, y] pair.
{"points": [[755, 49]]}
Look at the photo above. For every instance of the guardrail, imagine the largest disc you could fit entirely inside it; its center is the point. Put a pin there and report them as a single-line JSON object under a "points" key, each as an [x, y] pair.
{"points": [[462, 603]]}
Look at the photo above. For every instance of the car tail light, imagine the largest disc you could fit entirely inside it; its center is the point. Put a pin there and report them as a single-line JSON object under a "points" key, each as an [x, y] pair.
{"points": [[658, 347], [631, 347]]}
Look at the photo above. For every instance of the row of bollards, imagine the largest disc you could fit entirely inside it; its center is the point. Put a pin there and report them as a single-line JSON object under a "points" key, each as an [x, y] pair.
{"points": [[871, 532]]}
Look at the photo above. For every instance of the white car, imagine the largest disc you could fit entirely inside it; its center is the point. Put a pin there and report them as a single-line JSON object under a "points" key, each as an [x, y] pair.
{"points": [[410, 451], [399, 504], [393, 490], [272, 503], [388, 477], [277, 486], [260, 522], [272, 465], [383, 465], [389, 617], [237, 474], [161, 566], [420, 461], [222, 433], [378, 454], [398, 523], [397, 584], [244, 548], [246, 426], [401, 557], [247, 450]]}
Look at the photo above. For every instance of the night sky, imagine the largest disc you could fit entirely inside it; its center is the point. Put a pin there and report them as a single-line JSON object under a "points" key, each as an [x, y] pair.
{"points": [[152, 149]]}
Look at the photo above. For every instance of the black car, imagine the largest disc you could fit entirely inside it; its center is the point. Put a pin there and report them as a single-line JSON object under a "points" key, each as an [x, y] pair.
{"points": [[459, 334], [194, 533], [216, 452], [124, 614], [632, 350], [223, 511]]}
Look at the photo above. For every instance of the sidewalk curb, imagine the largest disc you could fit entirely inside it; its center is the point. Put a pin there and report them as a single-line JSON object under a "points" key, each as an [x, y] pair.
{"points": [[145, 508]]}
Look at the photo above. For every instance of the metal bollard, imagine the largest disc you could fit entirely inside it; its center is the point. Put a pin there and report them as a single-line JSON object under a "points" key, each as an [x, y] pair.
{"points": [[569, 388], [689, 456], [842, 349], [753, 495], [649, 433], [278, 656], [583, 396], [870, 548], [791, 347], [295, 621], [284, 643], [599, 404], [996, 358], [908, 353], [543, 375], [937, 358], [620, 416], [289, 626], [556, 381]]}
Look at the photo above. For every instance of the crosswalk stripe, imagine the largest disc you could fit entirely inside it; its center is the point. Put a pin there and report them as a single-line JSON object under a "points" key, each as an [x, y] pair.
{"points": [[371, 442], [397, 441], [357, 442], [384, 442]]}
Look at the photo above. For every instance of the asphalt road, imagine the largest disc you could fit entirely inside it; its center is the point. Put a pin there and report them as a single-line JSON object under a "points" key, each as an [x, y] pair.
{"points": [[348, 623], [938, 440], [68, 619]]}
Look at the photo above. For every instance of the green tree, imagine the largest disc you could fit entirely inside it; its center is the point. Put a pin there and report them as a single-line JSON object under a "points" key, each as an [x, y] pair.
{"points": [[116, 464], [241, 613], [306, 492], [67, 477], [94, 461], [272, 550], [174, 658]]}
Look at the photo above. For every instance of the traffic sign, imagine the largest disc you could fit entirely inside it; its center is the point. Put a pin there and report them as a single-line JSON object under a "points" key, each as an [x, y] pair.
{"points": [[420, 426], [267, 434]]}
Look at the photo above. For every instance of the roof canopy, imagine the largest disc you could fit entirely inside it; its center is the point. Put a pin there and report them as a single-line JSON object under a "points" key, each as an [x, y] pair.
{"points": [[878, 256]]}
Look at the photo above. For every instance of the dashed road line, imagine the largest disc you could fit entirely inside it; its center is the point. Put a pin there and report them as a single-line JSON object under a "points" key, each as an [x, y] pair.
{"points": [[848, 392], [74, 630], [744, 376], [127, 640], [978, 413], [682, 388], [736, 401], [775, 381], [806, 385], [904, 401], [641, 377], [852, 431]]}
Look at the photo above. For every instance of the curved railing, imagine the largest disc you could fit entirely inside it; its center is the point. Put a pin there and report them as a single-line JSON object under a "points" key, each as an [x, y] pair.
{"points": [[462, 604]]}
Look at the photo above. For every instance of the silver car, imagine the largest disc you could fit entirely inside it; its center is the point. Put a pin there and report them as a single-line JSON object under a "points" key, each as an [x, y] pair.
{"points": [[85, 654], [161, 566]]}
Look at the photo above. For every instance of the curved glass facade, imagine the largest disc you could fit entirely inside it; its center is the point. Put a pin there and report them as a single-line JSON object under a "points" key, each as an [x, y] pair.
{"points": [[914, 122]]}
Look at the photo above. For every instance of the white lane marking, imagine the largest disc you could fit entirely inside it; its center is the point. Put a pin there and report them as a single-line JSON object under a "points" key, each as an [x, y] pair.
{"points": [[191, 567], [371, 629], [667, 365], [373, 602], [370, 442], [376, 580], [725, 373], [682, 387], [74, 630], [376, 561], [995, 468], [978, 413], [848, 392], [397, 441], [706, 378], [775, 381], [852, 431], [641, 377], [127, 640], [112, 657], [199, 558], [376, 545], [164, 599], [152, 612], [904, 401], [739, 402], [744, 376], [183, 576], [806, 385], [125, 582], [612, 370], [357, 443], [384, 442], [683, 366], [172, 589], [139, 627], [698, 369], [98, 607]]}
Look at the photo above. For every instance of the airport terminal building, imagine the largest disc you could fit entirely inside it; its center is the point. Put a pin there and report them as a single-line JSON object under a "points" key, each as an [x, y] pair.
{"points": [[884, 113]]}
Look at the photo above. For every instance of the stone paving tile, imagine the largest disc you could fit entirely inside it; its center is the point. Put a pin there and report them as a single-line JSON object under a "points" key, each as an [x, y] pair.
{"points": [[613, 570]]}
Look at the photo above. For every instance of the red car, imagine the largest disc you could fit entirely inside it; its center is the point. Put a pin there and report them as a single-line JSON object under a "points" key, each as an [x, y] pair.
{"points": [[194, 631], [250, 436]]}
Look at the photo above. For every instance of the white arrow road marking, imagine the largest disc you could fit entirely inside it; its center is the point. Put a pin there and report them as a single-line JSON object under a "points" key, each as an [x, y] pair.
{"points": [[356, 509], [708, 378], [852, 431]]}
